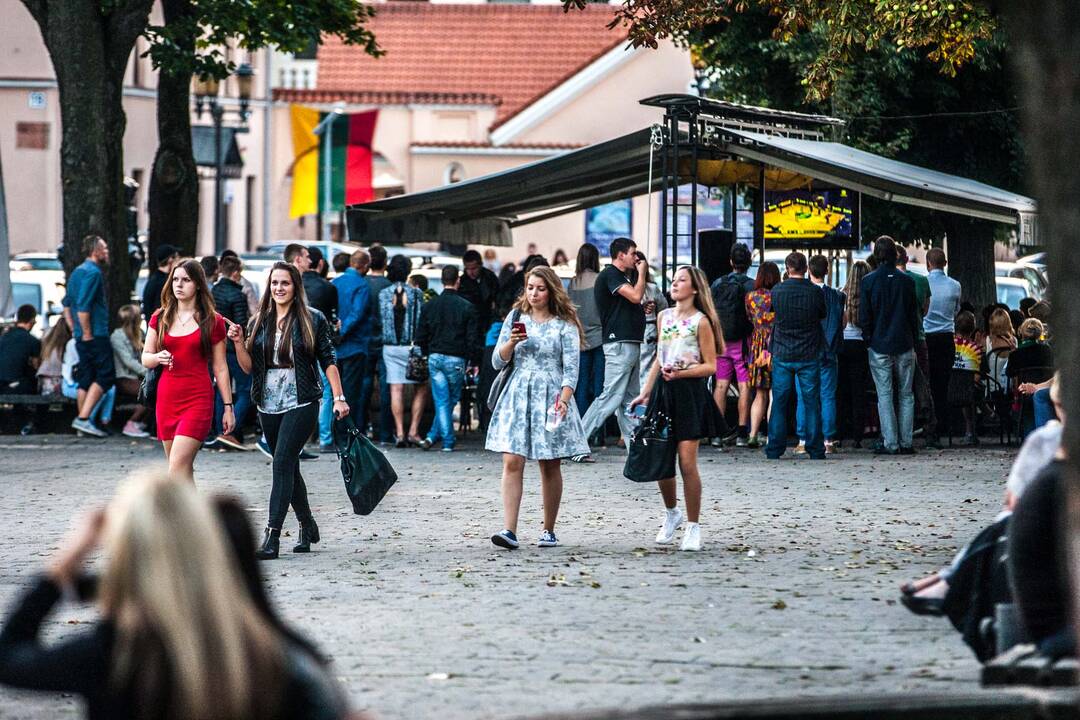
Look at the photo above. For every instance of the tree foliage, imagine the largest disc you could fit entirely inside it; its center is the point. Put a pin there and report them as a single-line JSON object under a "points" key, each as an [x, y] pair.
{"points": [[947, 32], [288, 25]]}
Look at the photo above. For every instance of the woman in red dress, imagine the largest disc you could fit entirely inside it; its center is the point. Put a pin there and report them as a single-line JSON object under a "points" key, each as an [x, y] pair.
{"points": [[184, 336]]}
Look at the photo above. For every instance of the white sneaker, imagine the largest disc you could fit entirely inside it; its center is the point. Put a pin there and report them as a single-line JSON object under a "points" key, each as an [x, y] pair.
{"points": [[800, 449], [672, 520], [691, 539]]}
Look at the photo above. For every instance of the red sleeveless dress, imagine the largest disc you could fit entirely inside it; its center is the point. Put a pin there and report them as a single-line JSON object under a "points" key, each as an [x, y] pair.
{"points": [[185, 395]]}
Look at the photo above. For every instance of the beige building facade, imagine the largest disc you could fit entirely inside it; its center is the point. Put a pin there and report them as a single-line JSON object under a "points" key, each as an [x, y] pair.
{"points": [[423, 139]]}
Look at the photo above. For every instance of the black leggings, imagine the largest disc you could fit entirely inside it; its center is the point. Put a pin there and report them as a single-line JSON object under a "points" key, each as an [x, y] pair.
{"points": [[286, 434]]}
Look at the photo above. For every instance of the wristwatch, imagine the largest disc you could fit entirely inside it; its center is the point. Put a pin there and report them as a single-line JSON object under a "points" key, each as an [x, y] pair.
{"points": [[339, 398]]}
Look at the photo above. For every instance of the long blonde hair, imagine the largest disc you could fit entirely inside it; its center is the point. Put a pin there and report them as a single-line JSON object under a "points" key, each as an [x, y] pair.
{"points": [[704, 303], [130, 322], [559, 303], [852, 289], [188, 636], [204, 303]]}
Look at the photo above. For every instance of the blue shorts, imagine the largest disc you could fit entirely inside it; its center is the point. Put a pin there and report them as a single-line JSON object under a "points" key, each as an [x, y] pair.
{"points": [[95, 364]]}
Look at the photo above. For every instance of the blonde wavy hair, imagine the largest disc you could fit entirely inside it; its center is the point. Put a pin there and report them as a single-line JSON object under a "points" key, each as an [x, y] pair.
{"points": [[559, 303], [188, 636]]}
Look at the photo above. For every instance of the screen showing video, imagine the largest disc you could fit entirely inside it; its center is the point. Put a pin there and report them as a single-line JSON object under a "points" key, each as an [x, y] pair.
{"points": [[815, 218]]}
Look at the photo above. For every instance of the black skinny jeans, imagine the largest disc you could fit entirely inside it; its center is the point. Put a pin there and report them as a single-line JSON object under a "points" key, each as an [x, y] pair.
{"points": [[852, 389], [286, 434]]}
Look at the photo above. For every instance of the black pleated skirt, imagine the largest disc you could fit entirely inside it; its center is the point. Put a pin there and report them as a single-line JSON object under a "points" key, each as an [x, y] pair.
{"points": [[690, 406]]}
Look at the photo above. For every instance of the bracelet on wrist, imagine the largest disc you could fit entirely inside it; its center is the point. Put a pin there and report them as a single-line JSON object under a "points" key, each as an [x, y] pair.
{"points": [[228, 404]]}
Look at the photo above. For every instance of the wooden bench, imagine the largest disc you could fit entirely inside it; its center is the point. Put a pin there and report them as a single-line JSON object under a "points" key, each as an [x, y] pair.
{"points": [[1022, 665]]}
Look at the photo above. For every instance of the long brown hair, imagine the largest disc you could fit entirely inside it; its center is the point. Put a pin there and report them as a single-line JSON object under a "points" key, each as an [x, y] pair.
{"points": [[55, 341], [204, 303], [559, 303], [704, 304], [853, 289], [298, 313]]}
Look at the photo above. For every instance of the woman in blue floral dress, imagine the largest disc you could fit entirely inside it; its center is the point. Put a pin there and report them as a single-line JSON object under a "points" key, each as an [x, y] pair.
{"points": [[534, 418]]}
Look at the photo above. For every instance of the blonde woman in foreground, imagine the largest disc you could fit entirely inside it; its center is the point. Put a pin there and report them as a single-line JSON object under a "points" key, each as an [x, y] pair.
{"points": [[179, 635]]}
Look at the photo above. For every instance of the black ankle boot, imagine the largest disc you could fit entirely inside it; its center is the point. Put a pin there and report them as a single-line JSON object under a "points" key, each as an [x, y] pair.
{"points": [[270, 545], [308, 535]]}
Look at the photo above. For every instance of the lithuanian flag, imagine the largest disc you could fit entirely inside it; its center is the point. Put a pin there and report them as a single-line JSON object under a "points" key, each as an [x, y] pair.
{"points": [[350, 161]]}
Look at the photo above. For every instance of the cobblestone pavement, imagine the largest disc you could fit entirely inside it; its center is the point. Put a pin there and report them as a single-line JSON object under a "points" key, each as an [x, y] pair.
{"points": [[793, 595]]}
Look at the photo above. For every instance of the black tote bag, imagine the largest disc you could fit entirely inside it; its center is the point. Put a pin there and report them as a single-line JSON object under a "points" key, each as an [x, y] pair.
{"points": [[651, 456], [148, 387], [367, 473]]}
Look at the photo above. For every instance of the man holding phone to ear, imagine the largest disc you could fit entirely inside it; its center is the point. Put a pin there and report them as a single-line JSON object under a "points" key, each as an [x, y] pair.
{"points": [[619, 290]]}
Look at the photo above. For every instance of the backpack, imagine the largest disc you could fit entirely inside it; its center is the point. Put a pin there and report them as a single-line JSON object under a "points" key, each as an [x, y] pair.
{"points": [[729, 296]]}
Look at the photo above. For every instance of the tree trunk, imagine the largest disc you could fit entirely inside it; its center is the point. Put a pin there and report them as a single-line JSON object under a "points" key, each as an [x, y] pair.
{"points": [[1048, 65], [971, 258], [89, 49], [174, 182]]}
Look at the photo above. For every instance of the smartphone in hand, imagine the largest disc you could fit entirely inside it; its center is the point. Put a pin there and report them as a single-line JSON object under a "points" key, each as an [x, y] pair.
{"points": [[519, 327], [637, 412]]}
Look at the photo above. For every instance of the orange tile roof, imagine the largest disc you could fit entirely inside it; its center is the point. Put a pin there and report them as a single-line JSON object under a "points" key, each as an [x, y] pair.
{"points": [[383, 97], [514, 52]]}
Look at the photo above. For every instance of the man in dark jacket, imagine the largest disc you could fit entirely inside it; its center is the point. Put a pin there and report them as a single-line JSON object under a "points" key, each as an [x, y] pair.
{"points": [[729, 296], [321, 295], [151, 299], [479, 286], [832, 326], [356, 313], [889, 320], [797, 342], [449, 334], [231, 303]]}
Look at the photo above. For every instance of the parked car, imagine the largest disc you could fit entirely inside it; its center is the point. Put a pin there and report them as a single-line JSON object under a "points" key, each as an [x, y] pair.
{"points": [[44, 289], [1010, 291], [1032, 274], [36, 261]]}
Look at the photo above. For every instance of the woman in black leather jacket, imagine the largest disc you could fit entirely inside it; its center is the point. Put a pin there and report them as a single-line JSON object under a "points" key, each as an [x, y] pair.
{"points": [[286, 341]]}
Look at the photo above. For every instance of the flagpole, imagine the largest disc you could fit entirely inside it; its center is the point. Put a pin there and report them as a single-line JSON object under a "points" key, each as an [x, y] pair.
{"points": [[327, 127]]}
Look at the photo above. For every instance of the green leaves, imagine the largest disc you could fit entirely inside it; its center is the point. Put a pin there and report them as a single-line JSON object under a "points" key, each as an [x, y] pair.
{"points": [[194, 41]]}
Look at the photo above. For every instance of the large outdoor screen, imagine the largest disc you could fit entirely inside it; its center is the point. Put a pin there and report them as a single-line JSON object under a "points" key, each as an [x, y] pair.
{"points": [[809, 218]]}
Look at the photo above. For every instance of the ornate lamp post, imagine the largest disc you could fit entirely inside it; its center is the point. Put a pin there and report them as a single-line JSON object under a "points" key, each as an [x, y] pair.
{"points": [[206, 94]]}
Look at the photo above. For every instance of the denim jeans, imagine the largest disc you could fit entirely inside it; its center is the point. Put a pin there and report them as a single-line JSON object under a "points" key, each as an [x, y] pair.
{"points": [[783, 384], [590, 378], [326, 411], [827, 379], [896, 424], [103, 410], [241, 398], [447, 375], [1044, 408]]}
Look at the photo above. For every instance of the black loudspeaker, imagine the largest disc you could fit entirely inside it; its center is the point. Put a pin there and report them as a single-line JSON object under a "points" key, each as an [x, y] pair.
{"points": [[714, 252]]}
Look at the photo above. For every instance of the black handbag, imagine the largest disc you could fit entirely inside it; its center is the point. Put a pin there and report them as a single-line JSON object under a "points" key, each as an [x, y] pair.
{"points": [[148, 387], [367, 473], [652, 451], [417, 367], [502, 378]]}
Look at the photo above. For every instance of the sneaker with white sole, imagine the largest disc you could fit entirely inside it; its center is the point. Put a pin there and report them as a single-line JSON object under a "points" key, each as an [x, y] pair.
{"points": [[133, 430], [672, 520], [264, 448], [691, 539], [800, 449], [505, 539], [86, 427], [548, 539]]}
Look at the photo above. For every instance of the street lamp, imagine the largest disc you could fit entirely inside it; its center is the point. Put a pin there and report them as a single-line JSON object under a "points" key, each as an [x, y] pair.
{"points": [[206, 93], [327, 127]]}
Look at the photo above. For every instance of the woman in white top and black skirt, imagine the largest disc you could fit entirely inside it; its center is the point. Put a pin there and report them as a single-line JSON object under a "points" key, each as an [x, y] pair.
{"points": [[690, 338], [288, 344]]}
